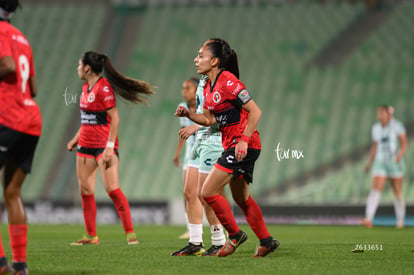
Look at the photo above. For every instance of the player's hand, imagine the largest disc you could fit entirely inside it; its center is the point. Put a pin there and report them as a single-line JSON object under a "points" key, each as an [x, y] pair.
{"points": [[181, 112], [107, 156], [188, 131], [241, 150], [72, 145], [176, 160], [398, 158]]}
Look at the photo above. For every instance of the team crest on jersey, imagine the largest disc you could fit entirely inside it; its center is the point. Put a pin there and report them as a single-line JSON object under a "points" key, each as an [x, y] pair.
{"points": [[216, 97], [91, 97]]}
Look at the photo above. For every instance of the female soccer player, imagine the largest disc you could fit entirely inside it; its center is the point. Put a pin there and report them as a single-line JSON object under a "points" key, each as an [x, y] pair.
{"points": [[188, 92], [97, 140], [389, 143], [207, 149], [20, 128], [228, 103]]}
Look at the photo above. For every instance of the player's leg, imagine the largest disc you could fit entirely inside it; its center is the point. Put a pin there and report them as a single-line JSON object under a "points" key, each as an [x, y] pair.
{"points": [[110, 177], [217, 231], [185, 235], [254, 217], [399, 203], [17, 166], [86, 170], [195, 216], [13, 182], [378, 183], [209, 153]]}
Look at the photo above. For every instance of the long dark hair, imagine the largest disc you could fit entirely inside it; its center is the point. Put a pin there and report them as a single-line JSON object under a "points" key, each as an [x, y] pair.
{"points": [[9, 5], [227, 56], [128, 88]]}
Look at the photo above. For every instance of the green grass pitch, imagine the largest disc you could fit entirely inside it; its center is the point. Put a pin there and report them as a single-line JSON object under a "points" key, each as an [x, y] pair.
{"points": [[305, 249]]}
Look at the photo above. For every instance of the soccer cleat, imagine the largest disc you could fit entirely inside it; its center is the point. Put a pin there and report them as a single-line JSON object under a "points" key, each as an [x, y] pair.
{"points": [[185, 236], [20, 268], [213, 250], [132, 238], [262, 251], [86, 240], [231, 245], [190, 250], [367, 223], [5, 268]]}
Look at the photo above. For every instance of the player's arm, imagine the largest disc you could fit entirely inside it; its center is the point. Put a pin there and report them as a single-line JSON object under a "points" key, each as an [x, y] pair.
{"points": [[403, 146], [205, 119], [7, 66], [113, 133], [372, 153], [33, 86], [74, 141], [254, 117], [180, 144]]}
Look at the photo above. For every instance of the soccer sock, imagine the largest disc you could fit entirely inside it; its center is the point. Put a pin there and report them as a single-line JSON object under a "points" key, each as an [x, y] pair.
{"points": [[196, 234], [399, 206], [18, 241], [254, 218], [223, 212], [122, 207], [89, 213], [372, 204], [217, 235], [2, 253]]}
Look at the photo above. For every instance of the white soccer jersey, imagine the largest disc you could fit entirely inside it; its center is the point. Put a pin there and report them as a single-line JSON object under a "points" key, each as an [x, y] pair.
{"points": [[387, 140]]}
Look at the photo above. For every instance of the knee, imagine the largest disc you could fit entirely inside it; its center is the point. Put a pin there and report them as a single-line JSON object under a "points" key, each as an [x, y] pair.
{"points": [[11, 193], [190, 195], [86, 189]]}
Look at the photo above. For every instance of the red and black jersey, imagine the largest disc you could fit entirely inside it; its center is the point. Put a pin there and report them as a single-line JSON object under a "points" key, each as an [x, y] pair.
{"points": [[225, 99], [95, 122], [18, 110]]}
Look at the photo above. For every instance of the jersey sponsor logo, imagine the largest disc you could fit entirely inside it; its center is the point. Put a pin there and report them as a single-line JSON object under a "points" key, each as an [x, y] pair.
{"points": [[93, 118], [230, 83], [244, 96], [91, 97], [21, 39], [229, 116], [106, 89], [216, 97]]}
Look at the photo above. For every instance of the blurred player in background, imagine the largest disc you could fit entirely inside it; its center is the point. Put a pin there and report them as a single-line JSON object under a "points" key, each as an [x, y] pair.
{"points": [[228, 103], [188, 91], [20, 128], [207, 149], [97, 138], [389, 143]]}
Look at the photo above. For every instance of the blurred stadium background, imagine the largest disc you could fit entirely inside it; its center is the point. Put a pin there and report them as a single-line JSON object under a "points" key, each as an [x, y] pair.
{"points": [[318, 69]]}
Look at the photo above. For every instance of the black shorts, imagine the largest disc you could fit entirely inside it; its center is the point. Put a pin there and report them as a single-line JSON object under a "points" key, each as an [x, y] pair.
{"points": [[244, 168], [17, 146], [93, 153]]}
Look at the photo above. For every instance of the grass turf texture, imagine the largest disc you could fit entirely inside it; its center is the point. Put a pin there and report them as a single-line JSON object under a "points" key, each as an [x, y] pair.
{"points": [[305, 249]]}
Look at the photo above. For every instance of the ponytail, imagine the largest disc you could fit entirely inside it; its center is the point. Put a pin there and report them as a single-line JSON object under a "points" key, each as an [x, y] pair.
{"points": [[226, 55], [128, 88]]}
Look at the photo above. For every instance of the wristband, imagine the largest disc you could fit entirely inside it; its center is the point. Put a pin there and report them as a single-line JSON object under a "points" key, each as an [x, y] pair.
{"points": [[245, 138], [110, 144]]}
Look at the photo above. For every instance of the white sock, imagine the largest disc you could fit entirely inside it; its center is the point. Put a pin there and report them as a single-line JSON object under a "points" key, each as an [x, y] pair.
{"points": [[399, 206], [217, 235], [372, 204], [196, 233]]}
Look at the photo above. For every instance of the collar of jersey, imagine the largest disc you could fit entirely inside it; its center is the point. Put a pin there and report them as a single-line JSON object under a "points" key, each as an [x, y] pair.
{"points": [[215, 81]]}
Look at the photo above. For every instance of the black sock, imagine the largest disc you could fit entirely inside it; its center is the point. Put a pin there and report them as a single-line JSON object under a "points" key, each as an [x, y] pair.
{"points": [[19, 265]]}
